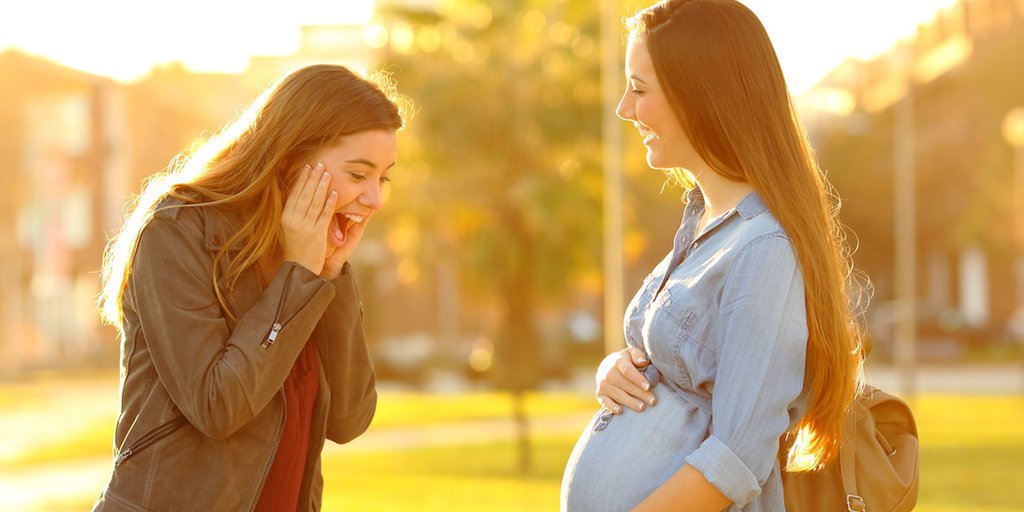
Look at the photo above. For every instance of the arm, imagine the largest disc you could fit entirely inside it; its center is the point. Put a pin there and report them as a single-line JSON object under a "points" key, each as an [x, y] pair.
{"points": [[762, 341], [347, 363], [219, 379], [687, 486]]}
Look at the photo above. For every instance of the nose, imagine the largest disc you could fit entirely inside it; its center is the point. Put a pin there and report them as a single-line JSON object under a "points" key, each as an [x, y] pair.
{"points": [[372, 197], [625, 110]]}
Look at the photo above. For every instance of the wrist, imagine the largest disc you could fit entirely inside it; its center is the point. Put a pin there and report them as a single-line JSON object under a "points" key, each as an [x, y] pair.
{"points": [[334, 273]]}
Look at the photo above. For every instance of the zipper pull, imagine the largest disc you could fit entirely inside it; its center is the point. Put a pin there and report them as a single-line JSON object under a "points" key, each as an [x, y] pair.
{"points": [[123, 457], [273, 335]]}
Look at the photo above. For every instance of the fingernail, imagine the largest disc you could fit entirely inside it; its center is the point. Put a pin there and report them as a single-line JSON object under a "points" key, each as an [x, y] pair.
{"points": [[325, 176], [651, 400], [642, 360], [641, 406], [617, 410], [319, 165], [307, 168], [646, 386]]}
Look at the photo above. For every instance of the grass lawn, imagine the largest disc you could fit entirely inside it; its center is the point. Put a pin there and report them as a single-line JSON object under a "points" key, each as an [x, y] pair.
{"points": [[972, 460], [972, 457], [481, 477], [972, 454]]}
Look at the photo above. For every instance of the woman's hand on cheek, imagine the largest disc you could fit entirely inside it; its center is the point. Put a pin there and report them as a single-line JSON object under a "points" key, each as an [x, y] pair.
{"points": [[306, 216], [335, 261]]}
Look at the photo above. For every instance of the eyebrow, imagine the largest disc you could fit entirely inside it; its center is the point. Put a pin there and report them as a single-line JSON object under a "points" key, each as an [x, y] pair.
{"points": [[638, 79], [367, 163]]}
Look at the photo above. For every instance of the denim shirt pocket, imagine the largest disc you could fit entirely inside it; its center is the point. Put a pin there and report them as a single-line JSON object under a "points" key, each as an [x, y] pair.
{"points": [[670, 339], [633, 320]]}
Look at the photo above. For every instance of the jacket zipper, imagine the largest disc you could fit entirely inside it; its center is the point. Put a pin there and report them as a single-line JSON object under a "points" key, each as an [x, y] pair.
{"points": [[152, 437], [276, 327], [265, 344], [279, 324], [273, 454]]}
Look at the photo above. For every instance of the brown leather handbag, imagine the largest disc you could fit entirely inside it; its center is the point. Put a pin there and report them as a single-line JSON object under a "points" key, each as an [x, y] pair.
{"points": [[876, 470]]}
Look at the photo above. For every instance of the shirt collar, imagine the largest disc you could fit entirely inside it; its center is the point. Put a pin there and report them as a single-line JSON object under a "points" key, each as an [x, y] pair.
{"points": [[749, 207]]}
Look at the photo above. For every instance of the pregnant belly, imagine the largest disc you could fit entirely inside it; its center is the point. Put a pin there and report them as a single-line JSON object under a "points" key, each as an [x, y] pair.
{"points": [[616, 468]]}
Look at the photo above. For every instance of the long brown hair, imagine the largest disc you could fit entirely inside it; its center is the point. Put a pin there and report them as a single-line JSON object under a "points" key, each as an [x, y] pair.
{"points": [[251, 163], [714, 60]]}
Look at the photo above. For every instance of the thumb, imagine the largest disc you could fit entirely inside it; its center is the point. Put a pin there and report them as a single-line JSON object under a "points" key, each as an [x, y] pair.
{"points": [[355, 232]]}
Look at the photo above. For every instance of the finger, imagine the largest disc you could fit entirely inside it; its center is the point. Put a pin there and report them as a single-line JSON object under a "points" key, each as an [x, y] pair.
{"points": [[624, 390], [609, 404], [619, 386], [638, 356], [296, 189], [621, 397], [308, 189], [327, 211], [319, 199], [355, 232], [631, 374]]}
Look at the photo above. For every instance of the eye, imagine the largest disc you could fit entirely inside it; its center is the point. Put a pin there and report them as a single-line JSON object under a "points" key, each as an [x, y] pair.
{"points": [[356, 176], [385, 179], [636, 92]]}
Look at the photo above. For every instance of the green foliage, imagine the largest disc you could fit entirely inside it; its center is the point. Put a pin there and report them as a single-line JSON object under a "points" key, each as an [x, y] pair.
{"points": [[507, 126]]}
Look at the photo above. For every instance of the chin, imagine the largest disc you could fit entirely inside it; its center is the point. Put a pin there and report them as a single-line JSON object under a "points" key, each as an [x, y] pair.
{"points": [[655, 163]]}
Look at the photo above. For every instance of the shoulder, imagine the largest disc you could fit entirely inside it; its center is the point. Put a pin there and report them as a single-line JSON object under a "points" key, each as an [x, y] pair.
{"points": [[758, 227], [761, 241], [756, 222], [173, 214]]}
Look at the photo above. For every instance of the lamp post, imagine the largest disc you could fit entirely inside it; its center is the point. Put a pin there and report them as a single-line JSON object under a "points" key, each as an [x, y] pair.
{"points": [[611, 70], [1013, 132], [905, 243]]}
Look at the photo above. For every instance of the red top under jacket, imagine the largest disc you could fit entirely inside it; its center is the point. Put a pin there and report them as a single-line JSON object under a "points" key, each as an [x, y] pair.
{"points": [[281, 490]]}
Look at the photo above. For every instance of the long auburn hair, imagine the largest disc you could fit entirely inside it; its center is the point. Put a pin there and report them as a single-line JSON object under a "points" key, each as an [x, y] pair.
{"points": [[720, 73], [249, 166]]}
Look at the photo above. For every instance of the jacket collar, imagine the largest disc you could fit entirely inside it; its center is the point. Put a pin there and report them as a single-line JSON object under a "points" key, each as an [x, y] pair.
{"points": [[220, 226]]}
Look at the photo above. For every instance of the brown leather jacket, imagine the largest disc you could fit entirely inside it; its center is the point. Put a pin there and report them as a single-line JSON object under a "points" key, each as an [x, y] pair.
{"points": [[202, 404]]}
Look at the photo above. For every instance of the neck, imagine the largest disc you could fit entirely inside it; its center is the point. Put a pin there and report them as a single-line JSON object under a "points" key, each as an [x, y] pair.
{"points": [[720, 193]]}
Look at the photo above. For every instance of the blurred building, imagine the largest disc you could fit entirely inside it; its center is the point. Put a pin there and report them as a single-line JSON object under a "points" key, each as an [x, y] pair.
{"points": [[961, 74], [337, 44], [74, 149], [62, 163]]}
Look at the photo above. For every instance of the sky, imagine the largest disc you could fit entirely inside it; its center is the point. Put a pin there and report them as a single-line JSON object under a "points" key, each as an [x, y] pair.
{"points": [[125, 38]]}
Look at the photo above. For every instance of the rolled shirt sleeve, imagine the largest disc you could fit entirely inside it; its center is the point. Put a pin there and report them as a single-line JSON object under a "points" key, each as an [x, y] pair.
{"points": [[762, 330]]}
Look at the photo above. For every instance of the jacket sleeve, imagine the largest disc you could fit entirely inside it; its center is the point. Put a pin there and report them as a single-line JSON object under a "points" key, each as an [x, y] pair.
{"points": [[220, 379], [762, 343], [347, 363]]}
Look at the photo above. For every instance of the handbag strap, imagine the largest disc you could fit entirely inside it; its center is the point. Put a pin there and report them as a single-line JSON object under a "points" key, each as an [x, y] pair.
{"points": [[848, 459]]}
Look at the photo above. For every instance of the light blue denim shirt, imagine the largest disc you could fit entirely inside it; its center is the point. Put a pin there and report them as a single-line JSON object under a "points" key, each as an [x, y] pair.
{"points": [[723, 318]]}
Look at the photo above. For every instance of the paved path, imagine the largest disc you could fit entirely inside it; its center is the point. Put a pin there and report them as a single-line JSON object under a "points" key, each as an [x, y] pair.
{"points": [[972, 379], [458, 433]]}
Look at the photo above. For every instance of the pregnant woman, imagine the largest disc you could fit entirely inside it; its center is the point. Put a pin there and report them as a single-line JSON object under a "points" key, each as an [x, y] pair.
{"points": [[743, 332]]}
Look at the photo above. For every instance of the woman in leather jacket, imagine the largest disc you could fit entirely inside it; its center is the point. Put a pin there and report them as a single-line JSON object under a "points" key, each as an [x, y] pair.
{"points": [[242, 345]]}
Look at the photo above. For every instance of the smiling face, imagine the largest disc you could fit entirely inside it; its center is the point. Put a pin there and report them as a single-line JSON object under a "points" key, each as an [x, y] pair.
{"points": [[644, 104], [359, 166]]}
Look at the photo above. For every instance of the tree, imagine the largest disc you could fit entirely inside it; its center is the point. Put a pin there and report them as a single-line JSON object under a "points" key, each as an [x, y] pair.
{"points": [[507, 123]]}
